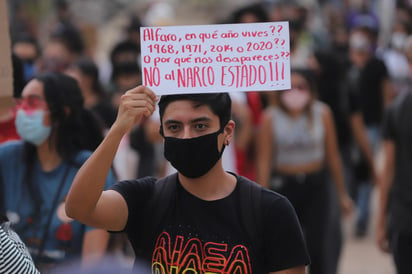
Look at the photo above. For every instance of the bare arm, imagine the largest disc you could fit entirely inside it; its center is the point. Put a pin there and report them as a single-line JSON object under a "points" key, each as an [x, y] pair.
{"points": [[359, 132], [334, 161], [388, 93], [295, 270], [265, 148], [86, 200], [385, 183]]}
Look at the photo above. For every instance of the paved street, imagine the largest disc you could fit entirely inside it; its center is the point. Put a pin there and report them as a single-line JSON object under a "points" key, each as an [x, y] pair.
{"points": [[361, 256]]}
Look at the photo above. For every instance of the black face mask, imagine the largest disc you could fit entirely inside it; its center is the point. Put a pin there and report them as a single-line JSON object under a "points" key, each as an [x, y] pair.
{"points": [[193, 157]]}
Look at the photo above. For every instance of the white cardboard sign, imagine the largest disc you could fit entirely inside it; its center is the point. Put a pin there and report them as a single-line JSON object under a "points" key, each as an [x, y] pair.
{"points": [[216, 58]]}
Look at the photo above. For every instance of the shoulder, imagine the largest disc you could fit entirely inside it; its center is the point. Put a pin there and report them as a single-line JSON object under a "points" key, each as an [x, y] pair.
{"points": [[82, 156], [11, 151], [11, 146], [128, 188], [323, 109], [255, 189]]}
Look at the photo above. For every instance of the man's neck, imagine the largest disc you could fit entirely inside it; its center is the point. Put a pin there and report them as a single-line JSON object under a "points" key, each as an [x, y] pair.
{"points": [[214, 185]]}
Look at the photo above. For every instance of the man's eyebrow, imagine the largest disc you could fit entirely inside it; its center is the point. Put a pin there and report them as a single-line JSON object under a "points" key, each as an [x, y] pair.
{"points": [[170, 121], [201, 119]]}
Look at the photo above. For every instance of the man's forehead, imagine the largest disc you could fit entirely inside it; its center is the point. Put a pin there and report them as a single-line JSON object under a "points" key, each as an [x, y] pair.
{"points": [[187, 109]]}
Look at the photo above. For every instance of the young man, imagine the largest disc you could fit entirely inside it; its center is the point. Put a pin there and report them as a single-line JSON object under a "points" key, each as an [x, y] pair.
{"points": [[201, 229]]}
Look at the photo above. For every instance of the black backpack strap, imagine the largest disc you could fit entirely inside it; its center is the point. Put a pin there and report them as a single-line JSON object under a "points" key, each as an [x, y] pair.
{"points": [[163, 193], [252, 211]]}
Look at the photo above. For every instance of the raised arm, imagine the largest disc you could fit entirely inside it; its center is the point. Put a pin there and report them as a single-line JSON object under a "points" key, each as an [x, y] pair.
{"points": [[86, 200]]}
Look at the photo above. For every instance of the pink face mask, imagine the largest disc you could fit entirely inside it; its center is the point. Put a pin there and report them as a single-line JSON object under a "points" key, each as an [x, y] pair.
{"points": [[295, 99]]}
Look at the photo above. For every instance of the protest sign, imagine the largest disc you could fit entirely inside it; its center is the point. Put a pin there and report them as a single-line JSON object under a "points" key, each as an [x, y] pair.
{"points": [[216, 58], [6, 70]]}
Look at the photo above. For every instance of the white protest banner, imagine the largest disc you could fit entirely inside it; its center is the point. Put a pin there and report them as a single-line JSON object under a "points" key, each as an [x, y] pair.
{"points": [[216, 58], [6, 70]]}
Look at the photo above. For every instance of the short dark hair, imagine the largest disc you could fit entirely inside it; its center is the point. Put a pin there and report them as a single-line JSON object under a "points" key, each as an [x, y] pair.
{"points": [[219, 103]]}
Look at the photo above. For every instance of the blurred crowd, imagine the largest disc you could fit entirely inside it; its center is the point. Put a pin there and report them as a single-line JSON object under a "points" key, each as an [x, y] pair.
{"points": [[349, 64]]}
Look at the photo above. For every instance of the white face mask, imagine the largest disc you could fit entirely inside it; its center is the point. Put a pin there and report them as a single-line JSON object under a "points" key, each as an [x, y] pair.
{"points": [[30, 127], [398, 40], [295, 100]]}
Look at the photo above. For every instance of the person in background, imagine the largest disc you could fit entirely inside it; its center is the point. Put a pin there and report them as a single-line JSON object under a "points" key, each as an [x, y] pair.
{"points": [[371, 84], [204, 210], [58, 134], [15, 257], [28, 50], [394, 222], [86, 72], [394, 58], [297, 145], [63, 46], [247, 107]]}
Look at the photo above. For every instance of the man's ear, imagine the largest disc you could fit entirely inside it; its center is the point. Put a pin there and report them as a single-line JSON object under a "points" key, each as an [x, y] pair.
{"points": [[228, 132]]}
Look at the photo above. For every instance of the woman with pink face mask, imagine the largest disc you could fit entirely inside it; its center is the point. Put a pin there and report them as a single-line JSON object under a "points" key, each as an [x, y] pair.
{"points": [[297, 146]]}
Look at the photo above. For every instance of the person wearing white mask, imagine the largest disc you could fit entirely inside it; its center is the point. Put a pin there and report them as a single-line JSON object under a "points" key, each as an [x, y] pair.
{"points": [[57, 136], [296, 144], [395, 60]]}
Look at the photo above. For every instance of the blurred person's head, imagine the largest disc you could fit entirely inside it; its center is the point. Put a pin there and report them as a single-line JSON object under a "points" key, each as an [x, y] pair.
{"points": [[297, 16], [360, 46], [63, 10], [133, 30], [251, 13], [28, 51], [398, 35], [126, 75], [124, 52], [64, 45], [300, 97], [86, 72], [51, 113], [56, 56]]}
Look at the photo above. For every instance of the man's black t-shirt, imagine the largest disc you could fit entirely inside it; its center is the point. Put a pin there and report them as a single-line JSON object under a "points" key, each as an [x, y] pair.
{"points": [[397, 127], [208, 236], [371, 91]]}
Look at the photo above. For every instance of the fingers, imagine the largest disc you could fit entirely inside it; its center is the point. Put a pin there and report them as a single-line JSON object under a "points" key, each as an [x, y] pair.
{"points": [[135, 104], [140, 100], [142, 90]]}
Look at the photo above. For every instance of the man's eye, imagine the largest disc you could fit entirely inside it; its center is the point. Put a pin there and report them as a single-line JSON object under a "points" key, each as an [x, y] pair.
{"points": [[200, 126], [173, 128]]}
